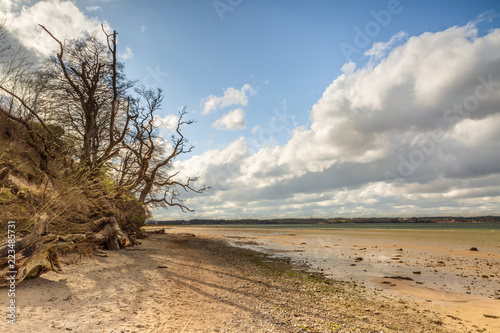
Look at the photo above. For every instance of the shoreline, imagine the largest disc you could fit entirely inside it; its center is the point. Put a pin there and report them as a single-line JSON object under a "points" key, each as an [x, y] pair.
{"points": [[445, 274], [179, 282]]}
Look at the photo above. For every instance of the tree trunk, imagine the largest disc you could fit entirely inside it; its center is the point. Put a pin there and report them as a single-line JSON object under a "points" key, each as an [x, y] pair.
{"points": [[34, 256], [39, 253]]}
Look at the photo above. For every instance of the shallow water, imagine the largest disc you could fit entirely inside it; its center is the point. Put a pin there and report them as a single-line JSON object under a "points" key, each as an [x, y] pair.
{"points": [[383, 226], [440, 252]]}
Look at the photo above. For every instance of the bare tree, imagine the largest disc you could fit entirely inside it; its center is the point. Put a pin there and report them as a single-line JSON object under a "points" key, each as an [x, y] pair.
{"points": [[145, 167], [78, 108], [91, 88], [84, 94]]}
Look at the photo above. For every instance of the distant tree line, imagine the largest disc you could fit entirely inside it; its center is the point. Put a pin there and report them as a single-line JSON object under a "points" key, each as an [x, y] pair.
{"points": [[336, 220]]}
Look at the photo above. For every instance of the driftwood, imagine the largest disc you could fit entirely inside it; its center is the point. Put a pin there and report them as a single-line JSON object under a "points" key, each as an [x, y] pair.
{"points": [[110, 233], [159, 231], [34, 256], [38, 253]]}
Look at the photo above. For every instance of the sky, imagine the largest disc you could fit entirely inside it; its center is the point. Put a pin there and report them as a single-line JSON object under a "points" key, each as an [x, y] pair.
{"points": [[311, 108]]}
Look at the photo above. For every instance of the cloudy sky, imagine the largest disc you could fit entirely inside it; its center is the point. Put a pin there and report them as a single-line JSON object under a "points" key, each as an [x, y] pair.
{"points": [[324, 108]]}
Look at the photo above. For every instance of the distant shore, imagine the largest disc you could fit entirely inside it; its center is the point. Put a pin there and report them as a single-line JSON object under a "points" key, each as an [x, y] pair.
{"points": [[333, 221]]}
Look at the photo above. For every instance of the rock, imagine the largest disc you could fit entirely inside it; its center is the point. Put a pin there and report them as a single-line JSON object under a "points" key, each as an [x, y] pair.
{"points": [[473, 249], [491, 316], [398, 278]]}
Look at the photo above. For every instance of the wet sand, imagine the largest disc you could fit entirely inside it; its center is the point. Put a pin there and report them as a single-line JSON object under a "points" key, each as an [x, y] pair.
{"points": [[182, 283], [435, 268]]}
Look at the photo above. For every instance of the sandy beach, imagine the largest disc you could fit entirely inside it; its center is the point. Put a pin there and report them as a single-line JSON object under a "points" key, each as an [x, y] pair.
{"points": [[192, 280], [440, 271]]}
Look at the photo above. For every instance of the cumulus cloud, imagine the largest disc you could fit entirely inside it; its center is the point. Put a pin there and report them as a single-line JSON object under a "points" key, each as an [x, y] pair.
{"points": [[416, 131], [231, 97], [380, 49], [62, 18], [233, 120], [219, 168], [167, 122], [349, 67], [128, 54], [8, 5]]}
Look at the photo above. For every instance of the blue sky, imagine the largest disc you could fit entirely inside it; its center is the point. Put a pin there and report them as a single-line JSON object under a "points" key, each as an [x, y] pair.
{"points": [[287, 50], [313, 108]]}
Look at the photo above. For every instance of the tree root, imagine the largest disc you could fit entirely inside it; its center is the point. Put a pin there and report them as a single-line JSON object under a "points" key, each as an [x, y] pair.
{"points": [[34, 256], [39, 253]]}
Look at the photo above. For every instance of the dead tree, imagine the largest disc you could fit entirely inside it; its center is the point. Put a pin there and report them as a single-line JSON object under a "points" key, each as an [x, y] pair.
{"points": [[91, 88], [145, 167], [83, 102], [87, 79], [86, 83]]}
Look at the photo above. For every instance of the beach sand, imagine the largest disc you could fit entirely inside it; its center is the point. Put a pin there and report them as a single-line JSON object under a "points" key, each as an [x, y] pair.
{"points": [[447, 277], [177, 282]]}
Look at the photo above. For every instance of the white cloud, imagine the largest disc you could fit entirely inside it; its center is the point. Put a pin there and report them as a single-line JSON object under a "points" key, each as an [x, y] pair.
{"points": [[349, 67], [93, 8], [219, 168], [364, 115], [62, 18], [168, 122], [128, 54], [427, 112], [143, 28], [475, 133], [233, 120], [7, 6], [231, 97], [380, 49]]}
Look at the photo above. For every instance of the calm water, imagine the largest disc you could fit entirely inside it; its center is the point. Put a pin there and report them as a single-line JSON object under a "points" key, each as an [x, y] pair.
{"points": [[423, 226], [331, 248]]}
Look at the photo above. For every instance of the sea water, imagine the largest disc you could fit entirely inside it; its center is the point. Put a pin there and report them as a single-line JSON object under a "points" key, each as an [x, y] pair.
{"points": [[368, 252]]}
